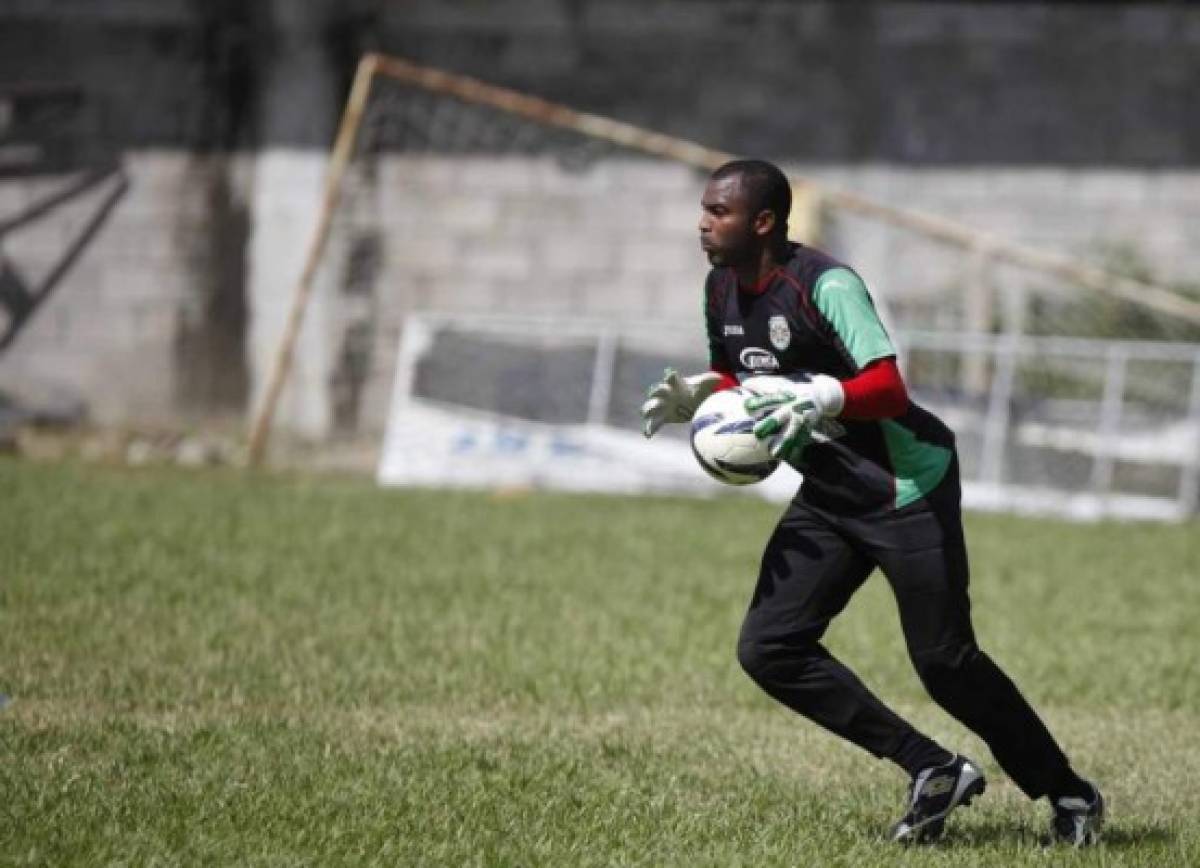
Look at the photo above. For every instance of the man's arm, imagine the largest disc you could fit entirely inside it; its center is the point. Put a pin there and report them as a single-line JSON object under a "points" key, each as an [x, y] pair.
{"points": [[853, 324], [876, 392]]}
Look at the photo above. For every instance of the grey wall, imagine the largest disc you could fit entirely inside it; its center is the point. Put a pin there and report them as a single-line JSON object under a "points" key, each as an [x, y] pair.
{"points": [[929, 82], [912, 82]]}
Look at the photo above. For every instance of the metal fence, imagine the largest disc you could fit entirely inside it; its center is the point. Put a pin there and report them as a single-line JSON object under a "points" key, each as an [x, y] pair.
{"points": [[1083, 427]]}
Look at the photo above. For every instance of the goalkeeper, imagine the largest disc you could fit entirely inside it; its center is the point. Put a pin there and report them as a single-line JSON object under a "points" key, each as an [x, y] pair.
{"points": [[881, 489]]}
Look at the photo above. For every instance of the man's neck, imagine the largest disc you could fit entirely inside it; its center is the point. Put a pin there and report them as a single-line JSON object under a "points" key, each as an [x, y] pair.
{"points": [[755, 273]]}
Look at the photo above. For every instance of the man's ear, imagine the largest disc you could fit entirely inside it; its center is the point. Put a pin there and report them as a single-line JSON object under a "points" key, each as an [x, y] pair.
{"points": [[764, 223]]}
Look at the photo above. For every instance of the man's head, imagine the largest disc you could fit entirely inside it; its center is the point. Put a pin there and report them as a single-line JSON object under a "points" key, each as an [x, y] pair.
{"points": [[746, 206]]}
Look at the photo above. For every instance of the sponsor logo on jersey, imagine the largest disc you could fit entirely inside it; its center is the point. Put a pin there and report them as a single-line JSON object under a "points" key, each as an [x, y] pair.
{"points": [[758, 359], [734, 330], [779, 333]]}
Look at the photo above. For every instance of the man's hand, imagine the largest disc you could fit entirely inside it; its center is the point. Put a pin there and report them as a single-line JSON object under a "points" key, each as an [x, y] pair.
{"points": [[787, 417], [676, 398]]}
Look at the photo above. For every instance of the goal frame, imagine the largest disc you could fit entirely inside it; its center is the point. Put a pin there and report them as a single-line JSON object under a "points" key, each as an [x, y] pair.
{"points": [[809, 197]]}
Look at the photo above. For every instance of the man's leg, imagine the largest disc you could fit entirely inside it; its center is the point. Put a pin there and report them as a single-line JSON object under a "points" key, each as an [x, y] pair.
{"points": [[922, 552], [808, 574]]}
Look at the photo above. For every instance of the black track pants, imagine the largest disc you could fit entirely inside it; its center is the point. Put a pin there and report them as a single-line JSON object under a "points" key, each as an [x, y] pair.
{"points": [[815, 561]]}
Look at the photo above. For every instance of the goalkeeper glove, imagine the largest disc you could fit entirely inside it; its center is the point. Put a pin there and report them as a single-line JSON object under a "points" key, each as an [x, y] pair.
{"points": [[787, 417], [676, 398]]}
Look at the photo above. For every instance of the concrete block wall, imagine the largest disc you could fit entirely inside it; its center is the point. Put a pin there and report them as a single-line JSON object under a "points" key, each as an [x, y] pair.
{"points": [[1077, 211], [525, 236], [499, 235], [457, 239], [108, 333], [618, 240]]}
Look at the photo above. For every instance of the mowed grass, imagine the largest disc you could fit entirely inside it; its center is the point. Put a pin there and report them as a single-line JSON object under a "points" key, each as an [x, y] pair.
{"points": [[214, 669]]}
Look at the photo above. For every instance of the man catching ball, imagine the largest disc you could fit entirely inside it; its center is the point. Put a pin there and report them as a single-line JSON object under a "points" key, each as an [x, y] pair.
{"points": [[881, 489]]}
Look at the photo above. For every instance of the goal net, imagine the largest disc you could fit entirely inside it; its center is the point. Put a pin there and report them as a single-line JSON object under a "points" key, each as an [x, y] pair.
{"points": [[500, 277]]}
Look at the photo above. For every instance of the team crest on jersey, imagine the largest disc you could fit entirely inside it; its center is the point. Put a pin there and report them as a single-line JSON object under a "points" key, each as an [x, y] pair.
{"points": [[779, 333]]}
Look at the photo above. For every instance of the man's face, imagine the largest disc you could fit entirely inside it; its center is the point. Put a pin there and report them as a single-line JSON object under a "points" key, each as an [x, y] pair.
{"points": [[727, 228]]}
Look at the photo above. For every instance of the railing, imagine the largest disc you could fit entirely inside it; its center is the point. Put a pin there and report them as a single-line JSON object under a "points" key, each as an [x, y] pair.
{"points": [[1153, 423], [1075, 427]]}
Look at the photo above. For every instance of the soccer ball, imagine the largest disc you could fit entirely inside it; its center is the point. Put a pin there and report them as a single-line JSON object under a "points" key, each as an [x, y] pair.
{"points": [[724, 443]]}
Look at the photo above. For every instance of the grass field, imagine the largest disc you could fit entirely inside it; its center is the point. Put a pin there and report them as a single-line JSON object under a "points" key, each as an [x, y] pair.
{"points": [[203, 669]]}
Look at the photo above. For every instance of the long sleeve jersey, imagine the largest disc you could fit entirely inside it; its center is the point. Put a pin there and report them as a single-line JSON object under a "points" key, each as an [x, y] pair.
{"points": [[814, 315]]}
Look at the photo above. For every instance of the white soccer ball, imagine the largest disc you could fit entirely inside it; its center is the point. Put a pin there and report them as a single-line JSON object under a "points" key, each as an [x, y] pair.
{"points": [[723, 440]]}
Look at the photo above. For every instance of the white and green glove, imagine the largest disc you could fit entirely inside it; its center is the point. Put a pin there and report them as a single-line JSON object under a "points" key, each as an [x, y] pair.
{"points": [[787, 417], [676, 398]]}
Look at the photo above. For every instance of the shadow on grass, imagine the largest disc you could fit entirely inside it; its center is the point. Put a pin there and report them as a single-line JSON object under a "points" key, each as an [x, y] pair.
{"points": [[1116, 837]]}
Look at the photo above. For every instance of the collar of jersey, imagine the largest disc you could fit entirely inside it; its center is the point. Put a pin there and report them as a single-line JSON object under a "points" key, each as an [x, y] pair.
{"points": [[763, 283]]}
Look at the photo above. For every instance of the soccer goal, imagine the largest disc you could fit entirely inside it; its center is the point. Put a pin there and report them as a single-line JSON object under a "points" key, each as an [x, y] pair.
{"points": [[505, 247]]}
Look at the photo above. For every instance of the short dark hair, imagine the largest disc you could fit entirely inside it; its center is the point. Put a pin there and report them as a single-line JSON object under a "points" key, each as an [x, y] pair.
{"points": [[766, 187]]}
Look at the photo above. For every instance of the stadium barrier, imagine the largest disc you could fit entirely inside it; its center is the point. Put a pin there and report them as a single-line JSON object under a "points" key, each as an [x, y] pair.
{"points": [[1077, 428]]}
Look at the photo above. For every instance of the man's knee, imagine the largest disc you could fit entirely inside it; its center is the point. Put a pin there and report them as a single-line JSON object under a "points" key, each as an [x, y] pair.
{"points": [[753, 657], [946, 667], [760, 657]]}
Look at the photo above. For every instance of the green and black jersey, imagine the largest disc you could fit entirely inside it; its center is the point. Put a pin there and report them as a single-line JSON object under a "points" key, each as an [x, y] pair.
{"points": [[813, 315]]}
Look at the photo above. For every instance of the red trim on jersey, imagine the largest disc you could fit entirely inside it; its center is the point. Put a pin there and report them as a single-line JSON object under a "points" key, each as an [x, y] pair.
{"points": [[807, 307], [876, 392]]}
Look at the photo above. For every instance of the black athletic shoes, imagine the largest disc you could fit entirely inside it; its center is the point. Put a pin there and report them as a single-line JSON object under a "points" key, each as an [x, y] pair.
{"points": [[936, 791], [1077, 821]]}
